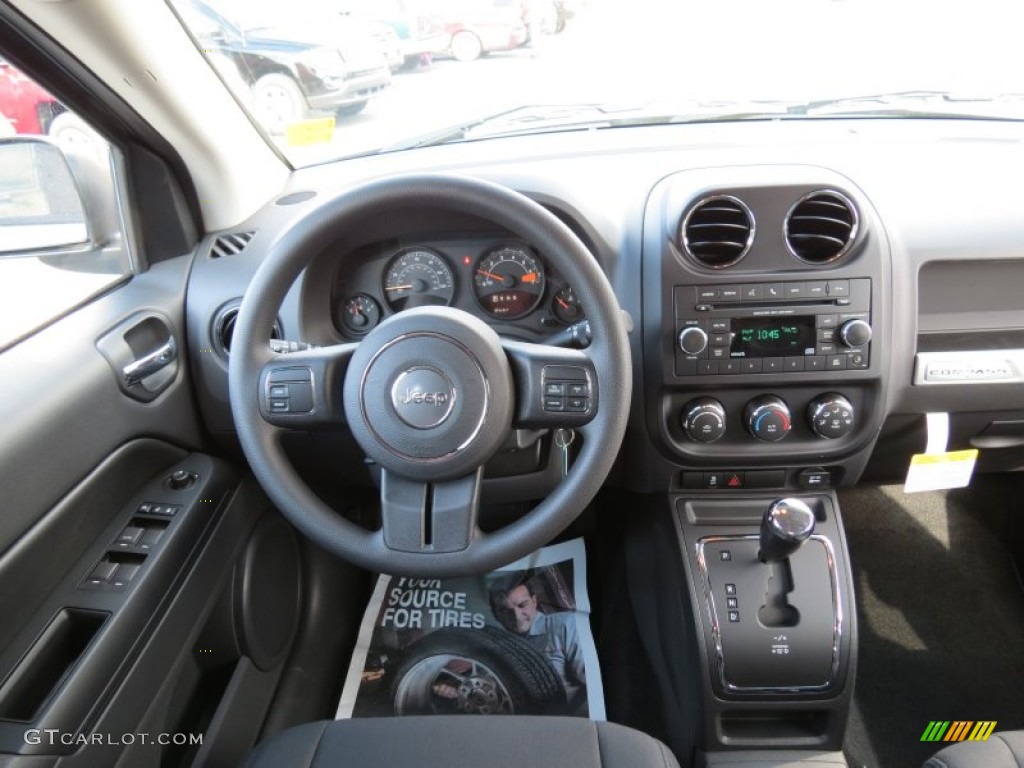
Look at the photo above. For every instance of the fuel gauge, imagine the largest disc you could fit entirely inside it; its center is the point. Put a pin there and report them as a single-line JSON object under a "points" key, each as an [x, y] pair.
{"points": [[359, 314], [566, 307]]}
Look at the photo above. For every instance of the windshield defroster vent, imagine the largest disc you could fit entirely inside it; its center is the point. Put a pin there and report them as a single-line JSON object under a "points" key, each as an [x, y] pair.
{"points": [[230, 245], [821, 227], [717, 231]]}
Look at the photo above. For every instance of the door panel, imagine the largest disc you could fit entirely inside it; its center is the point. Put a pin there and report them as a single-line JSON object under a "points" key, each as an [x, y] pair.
{"points": [[62, 410]]}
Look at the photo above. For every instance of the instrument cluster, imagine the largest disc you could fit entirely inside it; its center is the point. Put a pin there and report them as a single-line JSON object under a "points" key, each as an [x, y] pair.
{"points": [[504, 281]]}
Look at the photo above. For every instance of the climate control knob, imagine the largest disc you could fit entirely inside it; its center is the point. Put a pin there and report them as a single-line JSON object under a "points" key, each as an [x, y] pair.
{"points": [[855, 333], [831, 416], [704, 419], [768, 418], [693, 341]]}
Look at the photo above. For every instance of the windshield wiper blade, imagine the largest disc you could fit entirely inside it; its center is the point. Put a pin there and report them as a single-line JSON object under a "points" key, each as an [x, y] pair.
{"points": [[545, 118], [449, 133], [916, 103]]}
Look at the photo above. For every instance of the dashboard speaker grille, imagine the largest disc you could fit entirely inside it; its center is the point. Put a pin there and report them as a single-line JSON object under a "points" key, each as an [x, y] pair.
{"points": [[718, 231], [821, 227], [230, 245]]}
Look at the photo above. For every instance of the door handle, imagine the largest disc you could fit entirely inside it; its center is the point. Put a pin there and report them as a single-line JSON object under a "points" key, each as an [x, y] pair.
{"points": [[151, 362]]}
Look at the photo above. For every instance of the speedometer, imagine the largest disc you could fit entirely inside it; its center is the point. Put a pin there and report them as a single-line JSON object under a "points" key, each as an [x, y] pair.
{"points": [[509, 281], [418, 277]]}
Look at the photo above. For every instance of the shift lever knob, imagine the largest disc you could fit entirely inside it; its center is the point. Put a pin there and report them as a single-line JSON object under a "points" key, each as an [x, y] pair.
{"points": [[785, 526]]}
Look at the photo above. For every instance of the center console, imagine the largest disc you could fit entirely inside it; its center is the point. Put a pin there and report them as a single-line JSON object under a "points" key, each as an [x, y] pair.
{"points": [[765, 349]]}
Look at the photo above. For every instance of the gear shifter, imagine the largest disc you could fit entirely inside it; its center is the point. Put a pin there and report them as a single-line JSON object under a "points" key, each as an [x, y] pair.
{"points": [[786, 524]]}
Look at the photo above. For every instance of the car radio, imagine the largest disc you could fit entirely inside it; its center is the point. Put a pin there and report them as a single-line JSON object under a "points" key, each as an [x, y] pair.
{"points": [[764, 328]]}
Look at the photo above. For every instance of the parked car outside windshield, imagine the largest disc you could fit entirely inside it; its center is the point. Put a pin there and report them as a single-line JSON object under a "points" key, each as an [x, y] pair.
{"points": [[651, 61]]}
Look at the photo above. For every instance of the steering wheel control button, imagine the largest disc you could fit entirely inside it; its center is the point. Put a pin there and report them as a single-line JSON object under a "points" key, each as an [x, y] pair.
{"points": [[831, 416], [423, 397], [289, 390], [567, 389], [768, 418], [554, 404], [704, 420]]}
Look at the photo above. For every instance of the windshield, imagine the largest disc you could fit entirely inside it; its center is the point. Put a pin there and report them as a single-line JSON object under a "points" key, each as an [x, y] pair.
{"points": [[337, 78]]}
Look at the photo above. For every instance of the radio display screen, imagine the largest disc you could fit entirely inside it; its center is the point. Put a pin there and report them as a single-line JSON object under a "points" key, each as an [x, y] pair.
{"points": [[773, 336]]}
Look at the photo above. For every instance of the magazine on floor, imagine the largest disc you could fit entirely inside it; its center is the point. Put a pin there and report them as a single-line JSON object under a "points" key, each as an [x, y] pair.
{"points": [[512, 641]]}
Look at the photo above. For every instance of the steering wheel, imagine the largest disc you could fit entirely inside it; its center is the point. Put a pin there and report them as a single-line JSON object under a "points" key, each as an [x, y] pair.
{"points": [[430, 393]]}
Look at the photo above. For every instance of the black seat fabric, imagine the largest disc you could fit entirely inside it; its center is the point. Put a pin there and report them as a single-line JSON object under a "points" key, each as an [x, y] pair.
{"points": [[1001, 750], [461, 740]]}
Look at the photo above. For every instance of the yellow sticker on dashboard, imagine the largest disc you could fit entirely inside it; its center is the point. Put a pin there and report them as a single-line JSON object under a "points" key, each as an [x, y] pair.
{"points": [[940, 471], [319, 130]]}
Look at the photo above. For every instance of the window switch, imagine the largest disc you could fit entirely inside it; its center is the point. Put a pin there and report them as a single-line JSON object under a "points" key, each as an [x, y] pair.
{"points": [[130, 536], [151, 537], [103, 571], [125, 573]]}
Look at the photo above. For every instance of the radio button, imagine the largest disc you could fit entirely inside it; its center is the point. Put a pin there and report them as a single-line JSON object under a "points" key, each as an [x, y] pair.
{"points": [[817, 290], [796, 291], [729, 293], [774, 291], [855, 333], [794, 364], [707, 367], [836, 363], [814, 363], [693, 340], [720, 326], [772, 365], [828, 321], [752, 365], [707, 294], [730, 366], [753, 292], [839, 289]]}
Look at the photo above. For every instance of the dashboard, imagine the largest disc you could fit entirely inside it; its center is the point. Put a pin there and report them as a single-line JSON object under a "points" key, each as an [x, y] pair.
{"points": [[800, 293], [500, 279]]}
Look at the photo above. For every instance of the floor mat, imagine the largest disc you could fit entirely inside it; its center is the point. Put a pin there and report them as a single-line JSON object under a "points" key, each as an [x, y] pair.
{"points": [[941, 615], [513, 641]]}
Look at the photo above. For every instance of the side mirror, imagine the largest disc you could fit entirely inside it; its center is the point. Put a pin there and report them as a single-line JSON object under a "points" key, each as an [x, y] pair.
{"points": [[40, 204]]}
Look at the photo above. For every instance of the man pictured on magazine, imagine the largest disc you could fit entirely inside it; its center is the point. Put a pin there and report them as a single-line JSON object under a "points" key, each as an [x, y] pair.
{"points": [[554, 635]]}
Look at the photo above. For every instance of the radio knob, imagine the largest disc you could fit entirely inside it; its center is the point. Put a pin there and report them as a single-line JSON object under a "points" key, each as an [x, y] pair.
{"points": [[704, 419], [692, 340], [831, 416], [855, 333], [768, 418]]}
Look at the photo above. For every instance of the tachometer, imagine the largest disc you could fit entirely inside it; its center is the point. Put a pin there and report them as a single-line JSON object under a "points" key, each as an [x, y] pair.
{"points": [[509, 281], [416, 278]]}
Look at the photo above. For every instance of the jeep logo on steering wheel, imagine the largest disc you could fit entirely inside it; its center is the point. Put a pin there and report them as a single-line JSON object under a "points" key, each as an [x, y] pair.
{"points": [[423, 397]]}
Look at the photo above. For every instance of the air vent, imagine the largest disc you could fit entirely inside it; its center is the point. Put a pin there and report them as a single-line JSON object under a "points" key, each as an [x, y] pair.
{"points": [[230, 245], [717, 231], [821, 227], [224, 330]]}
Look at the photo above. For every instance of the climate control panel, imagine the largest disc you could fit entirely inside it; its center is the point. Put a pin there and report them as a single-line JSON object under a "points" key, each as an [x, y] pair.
{"points": [[768, 418]]}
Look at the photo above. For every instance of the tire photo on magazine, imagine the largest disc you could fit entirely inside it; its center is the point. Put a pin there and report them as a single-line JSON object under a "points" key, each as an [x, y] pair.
{"points": [[501, 643]]}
